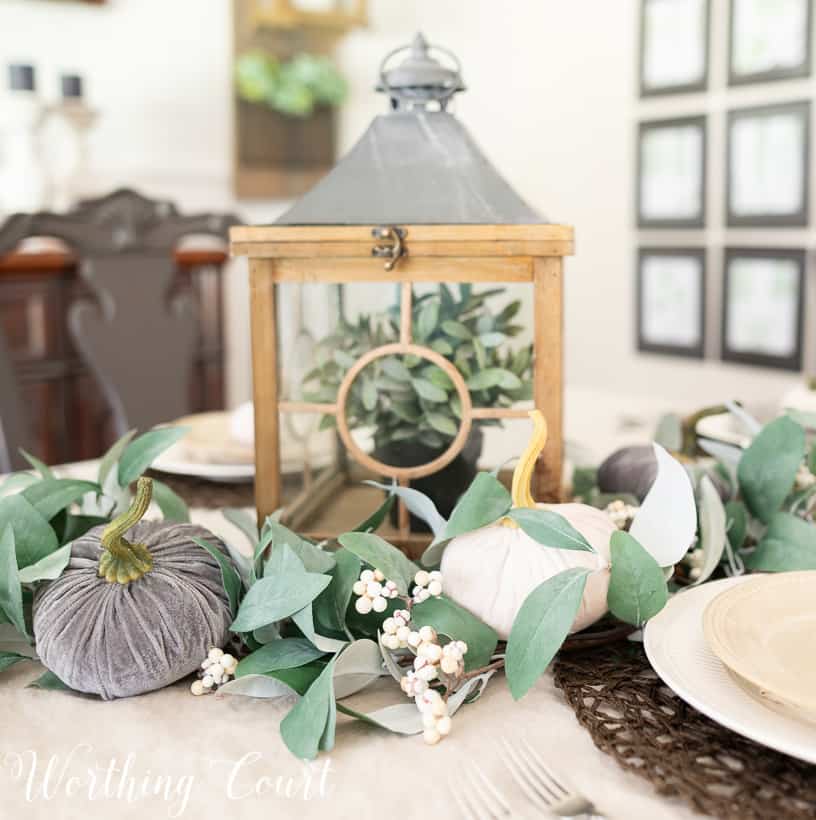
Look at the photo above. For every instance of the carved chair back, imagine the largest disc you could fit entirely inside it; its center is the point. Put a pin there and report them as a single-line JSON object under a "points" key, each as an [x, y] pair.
{"points": [[133, 333]]}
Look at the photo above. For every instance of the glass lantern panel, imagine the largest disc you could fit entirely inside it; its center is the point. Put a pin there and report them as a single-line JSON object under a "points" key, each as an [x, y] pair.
{"points": [[401, 409]]}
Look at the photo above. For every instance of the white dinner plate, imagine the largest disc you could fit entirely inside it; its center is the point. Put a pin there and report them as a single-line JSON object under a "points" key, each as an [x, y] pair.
{"points": [[678, 652]]}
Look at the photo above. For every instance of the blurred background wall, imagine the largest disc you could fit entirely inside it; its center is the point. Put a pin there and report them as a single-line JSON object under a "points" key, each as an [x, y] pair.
{"points": [[552, 100]]}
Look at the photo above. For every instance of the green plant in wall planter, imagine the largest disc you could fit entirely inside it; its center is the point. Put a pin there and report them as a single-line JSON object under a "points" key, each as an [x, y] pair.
{"points": [[294, 87], [411, 405]]}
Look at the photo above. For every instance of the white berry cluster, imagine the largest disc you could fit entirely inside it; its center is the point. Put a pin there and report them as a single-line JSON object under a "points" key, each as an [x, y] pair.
{"points": [[435, 717], [428, 584], [373, 591], [397, 632], [621, 513], [431, 658], [217, 668]]}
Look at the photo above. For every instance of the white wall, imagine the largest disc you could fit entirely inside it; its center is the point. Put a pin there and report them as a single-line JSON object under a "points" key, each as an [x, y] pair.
{"points": [[551, 100]]}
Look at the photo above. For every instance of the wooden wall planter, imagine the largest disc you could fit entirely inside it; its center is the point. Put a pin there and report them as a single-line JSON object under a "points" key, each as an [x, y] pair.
{"points": [[281, 156]]}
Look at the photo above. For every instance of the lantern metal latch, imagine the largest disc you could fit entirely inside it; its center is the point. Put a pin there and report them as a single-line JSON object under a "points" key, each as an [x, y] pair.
{"points": [[394, 250]]}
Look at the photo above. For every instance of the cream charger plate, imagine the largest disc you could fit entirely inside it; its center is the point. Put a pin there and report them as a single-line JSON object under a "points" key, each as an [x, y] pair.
{"points": [[764, 631], [209, 451], [677, 649]]}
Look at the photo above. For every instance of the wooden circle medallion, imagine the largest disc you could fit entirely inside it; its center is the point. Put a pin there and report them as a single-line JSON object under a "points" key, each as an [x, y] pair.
{"points": [[404, 473]]}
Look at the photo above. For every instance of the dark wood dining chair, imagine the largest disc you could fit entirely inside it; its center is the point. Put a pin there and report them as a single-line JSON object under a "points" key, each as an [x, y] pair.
{"points": [[135, 335], [14, 432]]}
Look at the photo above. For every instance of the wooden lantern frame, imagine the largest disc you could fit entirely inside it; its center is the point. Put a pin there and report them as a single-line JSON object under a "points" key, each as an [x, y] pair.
{"points": [[332, 254]]}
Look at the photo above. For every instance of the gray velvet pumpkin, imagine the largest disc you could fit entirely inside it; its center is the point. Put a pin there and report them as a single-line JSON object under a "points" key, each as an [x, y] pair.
{"points": [[150, 622], [629, 470]]}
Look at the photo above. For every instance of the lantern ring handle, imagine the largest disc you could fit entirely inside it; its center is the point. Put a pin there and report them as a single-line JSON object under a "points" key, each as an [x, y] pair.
{"points": [[449, 92], [404, 473]]}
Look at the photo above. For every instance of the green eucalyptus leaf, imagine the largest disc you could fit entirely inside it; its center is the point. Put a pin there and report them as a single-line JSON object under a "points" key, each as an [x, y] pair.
{"points": [[304, 620], [669, 433], [11, 594], [51, 683], [285, 653], [245, 522], [304, 729], [485, 501], [18, 481], [401, 718], [442, 347], [51, 495], [788, 544], [279, 594], [812, 458], [369, 394], [550, 529], [712, 529], [172, 505], [378, 553], [373, 522], [456, 330], [77, 525], [768, 467], [736, 523], [356, 667], [8, 659], [418, 504], [492, 339], [48, 568], [427, 319], [139, 454], [442, 423], [229, 576], [33, 538], [111, 458], [429, 391], [395, 369], [449, 618], [344, 575], [540, 627], [637, 586], [40, 466], [312, 557]]}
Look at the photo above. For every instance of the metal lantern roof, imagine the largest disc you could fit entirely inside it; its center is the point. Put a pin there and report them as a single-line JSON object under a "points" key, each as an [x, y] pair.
{"points": [[415, 165]]}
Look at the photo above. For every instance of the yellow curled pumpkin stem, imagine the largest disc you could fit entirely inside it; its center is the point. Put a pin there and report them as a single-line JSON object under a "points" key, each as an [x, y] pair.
{"points": [[523, 474], [521, 491], [121, 561]]}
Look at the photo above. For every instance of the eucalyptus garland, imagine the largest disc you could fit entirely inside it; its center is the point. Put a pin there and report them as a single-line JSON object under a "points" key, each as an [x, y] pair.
{"points": [[326, 620]]}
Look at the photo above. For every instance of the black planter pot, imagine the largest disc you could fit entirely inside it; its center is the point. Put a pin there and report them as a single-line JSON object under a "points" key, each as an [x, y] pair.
{"points": [[445, 487]]}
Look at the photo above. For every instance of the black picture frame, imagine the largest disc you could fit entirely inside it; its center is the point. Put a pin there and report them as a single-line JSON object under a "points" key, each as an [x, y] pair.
{"points": [[685, 88], [695, 351], [699, 121], [772, 75], [758, 358], [795, 219]]}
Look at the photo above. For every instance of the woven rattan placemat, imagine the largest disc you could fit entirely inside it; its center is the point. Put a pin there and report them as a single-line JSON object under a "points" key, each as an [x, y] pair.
{"points": [[649, 730], [210, 495]]}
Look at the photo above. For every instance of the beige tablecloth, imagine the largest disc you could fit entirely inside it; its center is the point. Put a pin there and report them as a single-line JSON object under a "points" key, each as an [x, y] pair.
{"points": [[169, 754]]}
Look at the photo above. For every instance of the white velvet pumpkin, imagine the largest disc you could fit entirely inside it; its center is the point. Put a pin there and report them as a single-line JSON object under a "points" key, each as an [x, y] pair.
{"points": [[492, 570]]}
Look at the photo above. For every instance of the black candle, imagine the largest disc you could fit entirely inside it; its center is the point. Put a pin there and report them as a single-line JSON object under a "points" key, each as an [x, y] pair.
{"points": [[71, 87], [21, 77]]}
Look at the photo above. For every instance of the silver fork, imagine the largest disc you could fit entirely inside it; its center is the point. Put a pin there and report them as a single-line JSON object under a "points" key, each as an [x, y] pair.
{"points": [[542, 787], [477, 798]]}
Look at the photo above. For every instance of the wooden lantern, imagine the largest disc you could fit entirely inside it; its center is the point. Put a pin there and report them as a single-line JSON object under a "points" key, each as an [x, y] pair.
{"points": [[496, 238]]}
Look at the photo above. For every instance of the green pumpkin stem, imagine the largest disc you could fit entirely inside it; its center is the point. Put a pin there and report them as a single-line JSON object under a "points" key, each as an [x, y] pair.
{"points": [[123, 562]]}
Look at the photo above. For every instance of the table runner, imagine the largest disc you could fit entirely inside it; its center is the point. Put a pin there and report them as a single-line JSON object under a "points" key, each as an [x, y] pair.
{"points": [[649, 730]]}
